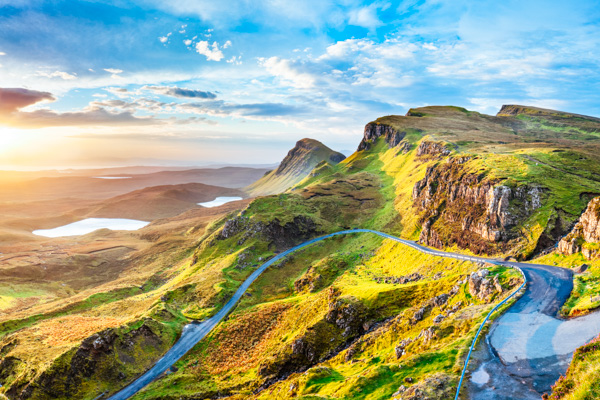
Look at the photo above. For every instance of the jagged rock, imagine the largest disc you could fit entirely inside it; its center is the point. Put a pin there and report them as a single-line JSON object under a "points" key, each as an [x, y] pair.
{"points": [[497, 284], [408, 379], [400, 348], [586, 231], [481, 287], [440, 300], [428, 334], [456, 307], [400, 280], [348, 316], [439, 319], [472, 211], [401, 389], [432, 149], [278, 234], [418, 316], [303, 347], [374, 130], [434, 387]]}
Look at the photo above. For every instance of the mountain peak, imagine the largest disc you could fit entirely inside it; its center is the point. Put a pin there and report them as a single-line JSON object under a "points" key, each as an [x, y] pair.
{"points": [[296, 165]]}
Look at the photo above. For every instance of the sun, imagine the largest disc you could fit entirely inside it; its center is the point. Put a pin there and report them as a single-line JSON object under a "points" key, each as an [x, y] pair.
{"points": [[11, 138]]}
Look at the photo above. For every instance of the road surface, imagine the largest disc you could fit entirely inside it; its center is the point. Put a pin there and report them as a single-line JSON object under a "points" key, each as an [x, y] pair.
{"points": [[528, 347], [547, 292]]}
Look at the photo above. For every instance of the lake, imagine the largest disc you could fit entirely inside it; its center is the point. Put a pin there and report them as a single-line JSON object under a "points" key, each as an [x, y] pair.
{"points": [[89, 225], [219, 201]]}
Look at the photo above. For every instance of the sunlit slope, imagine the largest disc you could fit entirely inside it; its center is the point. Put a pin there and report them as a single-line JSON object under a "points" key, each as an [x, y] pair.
{"points": [[298, 163], [510, 184], [342, 319]]}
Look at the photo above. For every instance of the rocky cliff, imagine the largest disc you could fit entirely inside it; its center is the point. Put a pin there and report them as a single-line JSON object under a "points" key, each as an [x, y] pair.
{"points": [[374, 130], [461, 207], [585, 236]]}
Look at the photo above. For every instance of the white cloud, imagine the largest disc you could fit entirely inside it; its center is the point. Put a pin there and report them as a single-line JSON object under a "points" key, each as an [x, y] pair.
{"points": [[2, 53], [187, 42], [183, 28], [57, 74], [165, 39], [211, 51], [365, 17], [227, 44], [289, 72], [114, 71], [235, 60]]}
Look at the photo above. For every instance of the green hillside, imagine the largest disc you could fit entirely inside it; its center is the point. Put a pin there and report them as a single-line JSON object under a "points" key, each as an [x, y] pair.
{"points": [[354, 317]]}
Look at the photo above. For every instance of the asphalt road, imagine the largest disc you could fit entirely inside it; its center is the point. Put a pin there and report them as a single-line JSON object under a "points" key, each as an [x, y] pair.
{"points": [[528, 347], [548, 289]]}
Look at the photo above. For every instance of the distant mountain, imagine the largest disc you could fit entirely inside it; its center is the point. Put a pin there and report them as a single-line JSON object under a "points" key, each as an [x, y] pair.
{"points": [[298, 163], [89, 187], [161, 201]]}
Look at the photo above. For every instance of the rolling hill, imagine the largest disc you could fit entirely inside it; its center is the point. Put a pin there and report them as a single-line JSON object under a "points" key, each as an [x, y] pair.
{"points": [[352, 317]]}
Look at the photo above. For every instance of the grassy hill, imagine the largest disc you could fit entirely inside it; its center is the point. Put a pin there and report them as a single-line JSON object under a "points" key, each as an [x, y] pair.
{"points": [[357, 317]]}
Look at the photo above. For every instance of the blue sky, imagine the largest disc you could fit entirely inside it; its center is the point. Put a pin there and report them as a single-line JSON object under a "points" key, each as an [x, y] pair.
{"points": [[188, 82]]}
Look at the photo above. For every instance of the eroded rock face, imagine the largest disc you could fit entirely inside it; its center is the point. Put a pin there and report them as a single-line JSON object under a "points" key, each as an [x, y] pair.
{"points": [[482, 287], [585, 233], [432, 149], [280, 235], [460, 207], [349, 317], [374, 130]]}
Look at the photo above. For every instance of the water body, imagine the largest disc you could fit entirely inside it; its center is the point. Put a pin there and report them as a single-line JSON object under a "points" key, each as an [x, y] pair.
{"points": [[89, 225], [219, 201], [111, 177]]}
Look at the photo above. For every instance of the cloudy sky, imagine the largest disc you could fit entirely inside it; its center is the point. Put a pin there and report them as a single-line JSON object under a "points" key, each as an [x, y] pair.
{"points": [[188, 82]]}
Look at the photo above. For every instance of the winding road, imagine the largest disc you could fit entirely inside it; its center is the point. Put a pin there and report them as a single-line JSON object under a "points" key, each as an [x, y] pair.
{"points": [[522, 341]]}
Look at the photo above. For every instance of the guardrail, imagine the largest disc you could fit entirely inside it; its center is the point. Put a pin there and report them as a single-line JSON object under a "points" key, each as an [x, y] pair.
{"points": [[513, 294]]}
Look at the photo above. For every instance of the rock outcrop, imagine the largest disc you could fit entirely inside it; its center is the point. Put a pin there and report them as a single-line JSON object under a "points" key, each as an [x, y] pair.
{"points": [[373, 131], [434, 387], [467, 209], [108, 355], [482, 287], [427, 147], [585, 236], [280, 235]]}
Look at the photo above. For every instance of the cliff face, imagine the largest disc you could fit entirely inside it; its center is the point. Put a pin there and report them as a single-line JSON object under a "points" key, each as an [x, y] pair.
{"points": [[467, 209], [586, 234], [374, 130]]}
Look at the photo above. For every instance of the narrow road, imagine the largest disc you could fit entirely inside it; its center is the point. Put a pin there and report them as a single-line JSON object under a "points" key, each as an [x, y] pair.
{"points": [[528, 347], [548, 290]]}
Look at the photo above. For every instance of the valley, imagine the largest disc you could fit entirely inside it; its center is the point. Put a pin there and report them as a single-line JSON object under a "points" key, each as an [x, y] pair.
{"points": [[360, 277]]}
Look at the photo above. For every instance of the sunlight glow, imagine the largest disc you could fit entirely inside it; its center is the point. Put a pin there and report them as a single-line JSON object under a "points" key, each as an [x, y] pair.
{"points": [[11, 138]]}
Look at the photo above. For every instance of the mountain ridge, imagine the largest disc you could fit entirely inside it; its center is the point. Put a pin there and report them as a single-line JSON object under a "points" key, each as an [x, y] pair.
{"points": [[300, 160]]}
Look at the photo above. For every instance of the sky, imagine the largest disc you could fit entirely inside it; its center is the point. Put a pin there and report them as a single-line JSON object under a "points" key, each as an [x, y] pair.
{"points": [[190, 82]]}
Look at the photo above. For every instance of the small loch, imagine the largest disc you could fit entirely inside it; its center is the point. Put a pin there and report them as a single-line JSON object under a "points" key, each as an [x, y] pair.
{"points": [[219, 201], [89, 225]]}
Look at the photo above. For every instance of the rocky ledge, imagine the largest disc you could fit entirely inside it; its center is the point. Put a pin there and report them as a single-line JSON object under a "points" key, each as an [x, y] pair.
{"points": [[374, 130], [585, 236], [464, 208]]}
